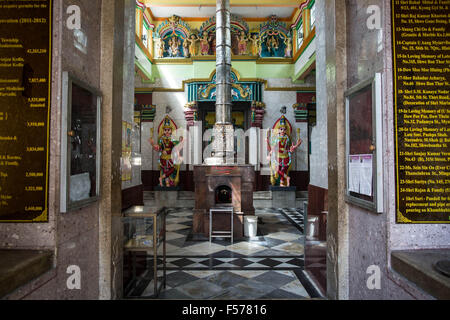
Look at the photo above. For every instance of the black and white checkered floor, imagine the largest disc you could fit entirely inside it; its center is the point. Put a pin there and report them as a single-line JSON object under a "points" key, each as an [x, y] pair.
{"points": [[268, 266]]}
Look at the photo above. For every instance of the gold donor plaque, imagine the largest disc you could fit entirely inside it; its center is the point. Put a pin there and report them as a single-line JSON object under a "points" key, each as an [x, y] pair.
{"points": [[421, 58], [25, 73]]}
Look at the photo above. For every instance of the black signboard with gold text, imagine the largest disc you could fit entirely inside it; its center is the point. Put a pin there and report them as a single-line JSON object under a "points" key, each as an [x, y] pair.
{"points": [[421, 61], [25, 73]]}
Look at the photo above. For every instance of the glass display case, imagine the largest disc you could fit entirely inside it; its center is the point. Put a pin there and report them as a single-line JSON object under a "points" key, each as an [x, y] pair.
{"points": [[145, 237]]}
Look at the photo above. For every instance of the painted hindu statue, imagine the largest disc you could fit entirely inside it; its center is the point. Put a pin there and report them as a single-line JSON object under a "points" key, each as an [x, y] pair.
{"points": [[242, 43], [204, 43], [256, 44], [281, 148], [169, 153], [192, 44]]}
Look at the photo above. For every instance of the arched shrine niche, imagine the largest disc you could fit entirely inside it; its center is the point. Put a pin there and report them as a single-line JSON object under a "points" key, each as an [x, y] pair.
{"points": [[240, 35], [276, 40], [172, 39]]}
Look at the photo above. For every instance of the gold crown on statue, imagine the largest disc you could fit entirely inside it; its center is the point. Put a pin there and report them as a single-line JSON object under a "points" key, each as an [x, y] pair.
{"points": [[283, 122], [167, 124]]}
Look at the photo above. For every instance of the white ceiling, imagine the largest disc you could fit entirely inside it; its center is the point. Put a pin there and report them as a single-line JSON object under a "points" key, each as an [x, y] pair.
{"points": [[206, 12]]}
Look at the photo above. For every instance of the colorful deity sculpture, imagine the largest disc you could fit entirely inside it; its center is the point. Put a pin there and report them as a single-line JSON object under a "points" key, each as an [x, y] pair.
{"points": [[242, 43], [288, 50], [204, 43], [256, 44], [169, 153], [280, 152], [272, 44], [159, 48], [186, 47], [174, 46], [192, 44]]}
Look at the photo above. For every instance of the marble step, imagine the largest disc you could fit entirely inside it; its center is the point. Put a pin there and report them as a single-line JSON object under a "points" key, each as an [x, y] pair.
{"points": [[301, 195], [149, 195], [262, 195], [257, 195], [186, 195]]}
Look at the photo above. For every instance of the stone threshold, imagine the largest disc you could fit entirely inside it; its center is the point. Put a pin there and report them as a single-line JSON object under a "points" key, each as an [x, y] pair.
{"points": [[418, 266], [18, 267]]}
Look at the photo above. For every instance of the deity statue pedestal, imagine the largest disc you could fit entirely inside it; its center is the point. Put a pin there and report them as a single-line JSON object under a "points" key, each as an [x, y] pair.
{"points": [[283, 197], [166, 196]]}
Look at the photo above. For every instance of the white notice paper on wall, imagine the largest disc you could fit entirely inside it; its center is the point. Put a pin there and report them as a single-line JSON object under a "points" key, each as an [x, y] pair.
{"points": [[365, 183], [354, 173]]}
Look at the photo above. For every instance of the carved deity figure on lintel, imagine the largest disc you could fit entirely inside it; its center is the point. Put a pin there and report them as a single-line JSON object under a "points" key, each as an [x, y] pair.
{"points": [[174, 44], [288, 50], [256, 44], [169, 153], [186, 47], [272, 44], [204, 43], [192, 44], [242, 43], [280, 148], [159, 48]]}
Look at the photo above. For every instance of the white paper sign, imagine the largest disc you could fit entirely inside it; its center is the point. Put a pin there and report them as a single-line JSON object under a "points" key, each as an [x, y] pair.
{"points": [[365, 183], [354, 173], [80, 187]]}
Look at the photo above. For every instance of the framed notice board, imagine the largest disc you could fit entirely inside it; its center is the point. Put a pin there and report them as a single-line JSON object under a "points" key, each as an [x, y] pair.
{"points": [[80, 144], [421, 60], [364, 145], [25, 98]]}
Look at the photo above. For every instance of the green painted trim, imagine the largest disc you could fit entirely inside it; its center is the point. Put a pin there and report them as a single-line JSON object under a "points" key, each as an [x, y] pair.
{"points": [[298, 81], [313, 2], [150, 61], [146, 24], [300, 23], [204, 69], [305, 49], [149, 75], [306, 91], [306, 66]]}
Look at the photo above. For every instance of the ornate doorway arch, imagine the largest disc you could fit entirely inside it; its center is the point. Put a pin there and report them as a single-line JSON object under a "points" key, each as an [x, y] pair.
{"points": [[242, 90]]}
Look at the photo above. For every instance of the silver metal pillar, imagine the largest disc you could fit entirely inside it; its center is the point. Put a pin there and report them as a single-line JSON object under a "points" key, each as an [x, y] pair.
{"points": [[223, 62], [223, 144]]}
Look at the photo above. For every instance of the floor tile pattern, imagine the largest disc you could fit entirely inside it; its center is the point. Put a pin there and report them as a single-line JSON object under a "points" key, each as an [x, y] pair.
{"points": [[232, 285], [268, 266]]}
